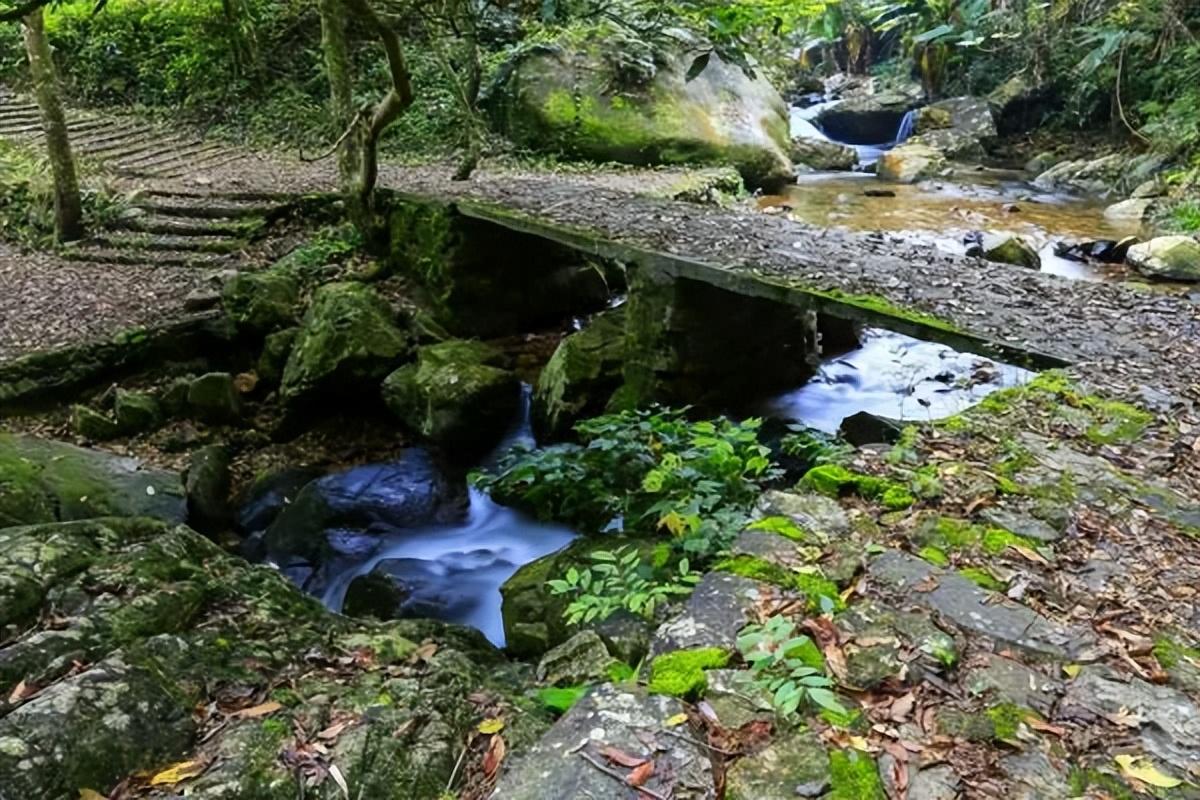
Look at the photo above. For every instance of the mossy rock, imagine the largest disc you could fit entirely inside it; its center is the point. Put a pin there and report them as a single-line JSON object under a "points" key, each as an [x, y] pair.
{"points": [[261, 302], [93, 425], [454, 395], [42, 480], [605, 95], [581, 376], [348, 339], [214, 398], [794, 761], [276, 348], [136, 412]]}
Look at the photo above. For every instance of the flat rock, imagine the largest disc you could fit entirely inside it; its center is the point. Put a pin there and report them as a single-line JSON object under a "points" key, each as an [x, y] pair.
{"points": [[938, 782], [721, 605], [1033, 776], [770, 547], [816, 514], [974, 609], [1021, 524], [773, 773], [736, 698], [1006, 681], [580, 659], [1169, 720], [628, 720]]}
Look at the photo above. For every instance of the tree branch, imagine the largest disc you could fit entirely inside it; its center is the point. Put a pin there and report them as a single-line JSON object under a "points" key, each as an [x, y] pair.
{"points": [[22, 11]]}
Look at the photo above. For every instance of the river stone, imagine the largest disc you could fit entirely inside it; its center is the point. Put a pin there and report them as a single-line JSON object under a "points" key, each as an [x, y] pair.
{"points": [[626, 635], [953, 143], [721, 605], [1097, 176], [1167, 257], [455, 395], [971, 115], [939, 782], [262, 501], [136, 412], [414, 588], [604, 94], [737, 698], [773, 773], [1134, 209], [1006, 681], [822, 154], [347, 342], [93, 425], [1010, 250], [42, 480], [625, 719], [1021, 524], [1033, 776], [815, 514], [975, 610], [870, 119], [261, 302], [770, 547], [581, 659], [581, 376], [1167, 719], [910, 163], [91, 730], [362, 503], [214, 398], [207, 483]]}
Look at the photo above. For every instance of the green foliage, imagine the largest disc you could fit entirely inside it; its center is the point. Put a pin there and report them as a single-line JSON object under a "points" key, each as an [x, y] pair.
{"points": [[27, 199], [645, 472], [821, 593], [1186, 216], [814, 447], [837, 481], [618, 580], [559, 699], [782, 664], [681, 673]]}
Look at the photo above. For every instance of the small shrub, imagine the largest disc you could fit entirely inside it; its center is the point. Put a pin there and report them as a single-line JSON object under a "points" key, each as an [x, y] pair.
{"points": [[619, 581], [783, 664]]}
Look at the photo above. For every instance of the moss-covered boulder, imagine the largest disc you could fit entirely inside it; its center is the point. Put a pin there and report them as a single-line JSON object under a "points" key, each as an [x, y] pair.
{"points": [[581, 376], [214, 398], [93, 425], [1006, 250], [910, 163], [136, 412], [866, 119], [822, 154], [1174, 258], [607, 95], [273, 359], [456, 394], [261, 302], [46, 481], [348, 340]]}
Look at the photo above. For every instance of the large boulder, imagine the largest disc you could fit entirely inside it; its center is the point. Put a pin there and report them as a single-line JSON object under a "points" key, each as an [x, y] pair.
{"points": [[869, 119], [1017, 106], [46, 481], [456, 395], [971, 115], [609, 96], [1175, 258], [1005, 249], [348, 341], [261, 302], [581, 376], [1117, 173], [345, 513], [954, 143], [822, 154], [958, 127], [910, 163]]}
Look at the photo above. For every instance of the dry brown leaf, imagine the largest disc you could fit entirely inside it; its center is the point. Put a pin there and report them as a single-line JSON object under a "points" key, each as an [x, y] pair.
{"points": [[902, 707], [618, 756], [424, 653], [20, 692], [334, 731], [640, 774], [1030, 554], [260, 710], [494, 757], [1045, 727]]}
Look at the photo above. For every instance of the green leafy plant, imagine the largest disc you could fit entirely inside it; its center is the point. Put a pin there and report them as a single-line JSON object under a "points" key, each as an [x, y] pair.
{"points": [[643, 472], [618, 580], [776, 655]]}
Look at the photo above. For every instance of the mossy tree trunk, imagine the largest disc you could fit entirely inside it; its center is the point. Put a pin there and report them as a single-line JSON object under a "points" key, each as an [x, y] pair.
{"points": [[68, 210], [358, 157]]}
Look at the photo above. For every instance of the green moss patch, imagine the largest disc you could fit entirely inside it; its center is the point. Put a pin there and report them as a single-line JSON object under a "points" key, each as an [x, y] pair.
{"points": [[982, 578], [853, 776], [837, 481], [821, 593], [681, 673]]}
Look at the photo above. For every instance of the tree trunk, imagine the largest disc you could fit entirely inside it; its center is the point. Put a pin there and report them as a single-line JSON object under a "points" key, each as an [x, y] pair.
{"points": [[68, 210], [335, 45]]}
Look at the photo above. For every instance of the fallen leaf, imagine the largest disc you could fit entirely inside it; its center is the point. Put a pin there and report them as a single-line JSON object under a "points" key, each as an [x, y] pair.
{"points": [[1141, 769], [179, 772], [640, 774], [902, 707], [21, 691], [618, 756], [675, 721], [90, 794], [1030, 554], [860, 743], [260, 710], [494, 756], [1125, 718], [339, 779], [491, 725], [1072, 670], [334, 731], [1045, 727]]}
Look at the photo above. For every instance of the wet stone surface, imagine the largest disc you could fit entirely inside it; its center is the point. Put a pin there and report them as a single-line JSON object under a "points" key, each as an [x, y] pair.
{"points": [[721, 605]]}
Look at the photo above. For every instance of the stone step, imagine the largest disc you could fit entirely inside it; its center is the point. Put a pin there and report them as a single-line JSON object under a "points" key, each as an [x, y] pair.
{"points": [[30, 115], [183, 156], [95, 254], [117, 132], [191, 226], [136, 147], [208, 163], [163, 149], [207, 207], [78, 127], [113, 146], [214, 245]]}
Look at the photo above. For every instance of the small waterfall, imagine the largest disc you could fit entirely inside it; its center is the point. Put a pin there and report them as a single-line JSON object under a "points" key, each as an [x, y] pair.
{"points": [[907, 123]]}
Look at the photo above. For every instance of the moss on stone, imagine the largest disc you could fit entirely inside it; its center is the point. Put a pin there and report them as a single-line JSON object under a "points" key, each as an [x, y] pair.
{"points": [[681, 673], [1170, 653], [814, 586], [934, 555], [1007, 719], [854, 776], [982, 578], [838, 481]]}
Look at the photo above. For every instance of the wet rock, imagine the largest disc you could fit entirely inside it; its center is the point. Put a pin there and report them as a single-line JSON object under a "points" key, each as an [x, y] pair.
{"points": [[533, 621], [455, 395], [263, 301], [1167, 721], [773, 773], [93, 425], [581, 659], [1147, 189], [91, 730], [974, 609], [46, 481], [1021, 524], [1134, 209], [348, 339], [207, 482], [878, 636], [910, 163], [869, 119], [971, 115], [721, 605], [823, 155], [1108, 251], [1005, 250], [136, 412], [1167, 257], [413, 588], [273, 358], [955, 144], [214, 398], [1042, 162], [607, 95], [608, 716], [1006, 681], [581, 376], [736, 698], [270, 494], [365, 502], [1101, 176], [867, 428], [818, 515], [878, 193], [376, 594], [1034, 776], [626, 635], [769, 547]]}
